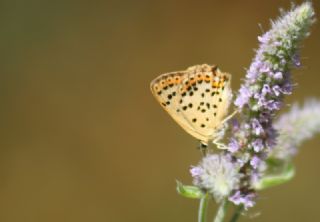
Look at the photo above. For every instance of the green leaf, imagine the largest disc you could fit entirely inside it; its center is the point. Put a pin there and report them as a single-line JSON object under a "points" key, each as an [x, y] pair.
{"points": [[275, 179], [189, 191]]}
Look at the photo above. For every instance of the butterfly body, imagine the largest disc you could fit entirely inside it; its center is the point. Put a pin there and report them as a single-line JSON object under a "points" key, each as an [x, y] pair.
{"points": [[197, 99]]}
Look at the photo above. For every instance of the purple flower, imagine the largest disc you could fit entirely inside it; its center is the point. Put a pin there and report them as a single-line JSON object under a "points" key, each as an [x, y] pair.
{"points": [[196, 174], [264, 39], [278, 76], [196, 171], [233, 146], [235, 125], [265, 67], [257, 67], [266, 90], [256, 127], [243, 98], [277, 90], [257, 145], [255, 162], [261, 95], [246, 199], [273, 105]]}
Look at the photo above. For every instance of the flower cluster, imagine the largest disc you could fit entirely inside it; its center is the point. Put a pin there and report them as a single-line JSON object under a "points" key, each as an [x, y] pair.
{"points": [[294, 127], [217, 174], [267, 81], [254, 135]]}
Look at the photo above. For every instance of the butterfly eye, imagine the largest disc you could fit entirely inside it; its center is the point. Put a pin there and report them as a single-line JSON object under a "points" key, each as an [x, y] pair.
{"points": [[214, 69]]}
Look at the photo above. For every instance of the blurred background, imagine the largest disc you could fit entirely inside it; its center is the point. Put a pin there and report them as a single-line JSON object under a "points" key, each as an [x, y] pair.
{"points": [[82, 138]]}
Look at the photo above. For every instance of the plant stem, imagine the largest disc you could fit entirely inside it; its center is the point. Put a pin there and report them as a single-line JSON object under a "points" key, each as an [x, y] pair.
{"points": [[202, 213], [237, 214], [221, 211]]}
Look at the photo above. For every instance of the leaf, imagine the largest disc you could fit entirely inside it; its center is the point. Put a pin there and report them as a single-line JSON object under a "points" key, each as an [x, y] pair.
{"points": [[275, 179], [189, 191]]}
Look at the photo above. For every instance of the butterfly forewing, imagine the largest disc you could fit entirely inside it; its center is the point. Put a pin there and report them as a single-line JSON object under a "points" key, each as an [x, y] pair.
{"points": [[166, 89], [201, 98]]}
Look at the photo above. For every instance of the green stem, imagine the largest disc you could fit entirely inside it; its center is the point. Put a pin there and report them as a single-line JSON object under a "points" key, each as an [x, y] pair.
{"points": [[202, 213], [221, 211], [237, 214]]}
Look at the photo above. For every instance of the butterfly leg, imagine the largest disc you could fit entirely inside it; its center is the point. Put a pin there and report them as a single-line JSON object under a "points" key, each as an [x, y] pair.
{"points": [[218, 136], [219, 145], [203, 147], [230, 116], [221, 132]]}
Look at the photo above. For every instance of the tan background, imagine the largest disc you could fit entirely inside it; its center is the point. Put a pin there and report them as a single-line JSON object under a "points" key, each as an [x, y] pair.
{"points": [[82, 138]]}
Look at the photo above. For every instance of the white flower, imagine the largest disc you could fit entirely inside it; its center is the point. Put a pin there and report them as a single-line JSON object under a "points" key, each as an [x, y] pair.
{"points": [[296, 126], [217, 174]]}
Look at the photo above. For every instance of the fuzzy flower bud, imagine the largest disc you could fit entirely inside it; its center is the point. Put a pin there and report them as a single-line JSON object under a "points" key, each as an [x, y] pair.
{"points": [[217, 174], [296, 126]]}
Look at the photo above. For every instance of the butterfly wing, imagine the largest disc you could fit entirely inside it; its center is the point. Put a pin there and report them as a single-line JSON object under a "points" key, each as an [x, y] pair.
{"points": [[197, 99], [206, 99], [167, 90]]}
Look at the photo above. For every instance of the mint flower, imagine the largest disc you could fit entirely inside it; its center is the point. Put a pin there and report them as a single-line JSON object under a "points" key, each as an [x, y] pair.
{"points": [[246, 199], [296, 126], [260, 147], [216, 174], [267, 81]]}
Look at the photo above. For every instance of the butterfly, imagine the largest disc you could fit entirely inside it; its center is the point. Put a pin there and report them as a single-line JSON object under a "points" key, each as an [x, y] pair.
{"points": [[197, 99]]}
